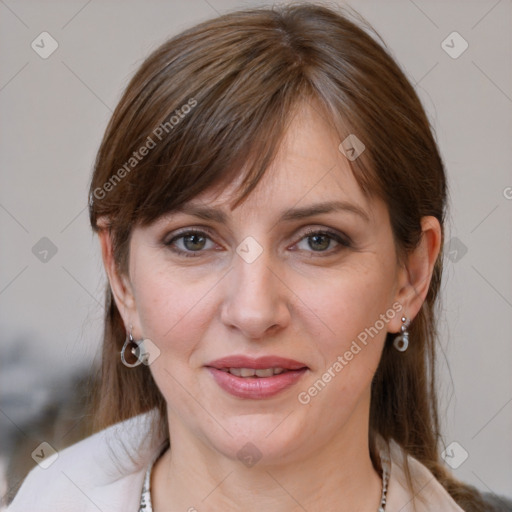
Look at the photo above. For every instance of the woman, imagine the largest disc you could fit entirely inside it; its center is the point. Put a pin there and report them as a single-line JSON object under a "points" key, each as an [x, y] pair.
{"points": [[269, 200]]}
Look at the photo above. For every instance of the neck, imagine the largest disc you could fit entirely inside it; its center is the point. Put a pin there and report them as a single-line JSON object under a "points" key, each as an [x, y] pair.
{"points": [[337, 475]]}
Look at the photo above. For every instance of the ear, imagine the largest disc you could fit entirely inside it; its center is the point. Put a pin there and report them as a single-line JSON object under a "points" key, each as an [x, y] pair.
{"points": [[416, 274], [119, 284]]}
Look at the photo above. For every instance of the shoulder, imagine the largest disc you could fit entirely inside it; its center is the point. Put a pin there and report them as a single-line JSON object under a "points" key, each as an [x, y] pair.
{"points": [[104, 471], [429, 495]]}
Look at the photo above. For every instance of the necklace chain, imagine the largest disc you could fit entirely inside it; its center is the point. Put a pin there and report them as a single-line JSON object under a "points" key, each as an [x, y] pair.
{"points": [[385, 463]]}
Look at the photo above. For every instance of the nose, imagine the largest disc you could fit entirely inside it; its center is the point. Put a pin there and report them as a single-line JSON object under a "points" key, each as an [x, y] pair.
{"points": [[256, 300]]}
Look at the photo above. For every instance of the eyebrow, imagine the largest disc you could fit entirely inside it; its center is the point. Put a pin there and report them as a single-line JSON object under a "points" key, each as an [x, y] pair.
{"points": [[209, 213]]}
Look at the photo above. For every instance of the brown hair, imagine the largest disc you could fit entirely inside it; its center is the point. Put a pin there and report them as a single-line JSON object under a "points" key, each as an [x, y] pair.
{"points": [[217, 98]]}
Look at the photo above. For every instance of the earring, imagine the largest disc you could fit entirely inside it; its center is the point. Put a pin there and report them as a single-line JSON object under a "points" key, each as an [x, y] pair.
{"points": [[133, 348], [401, 342]]}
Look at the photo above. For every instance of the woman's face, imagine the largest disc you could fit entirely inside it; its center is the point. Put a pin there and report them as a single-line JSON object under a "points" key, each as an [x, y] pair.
{"points": [[304, 270]]}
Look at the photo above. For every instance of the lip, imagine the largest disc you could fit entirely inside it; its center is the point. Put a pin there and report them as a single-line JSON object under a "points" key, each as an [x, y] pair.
{"points": [[259, 363], [256, 388]]}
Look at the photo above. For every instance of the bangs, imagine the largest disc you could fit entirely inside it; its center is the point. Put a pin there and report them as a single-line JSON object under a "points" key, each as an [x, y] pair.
{"points": [[192, 121], [218, 143]]}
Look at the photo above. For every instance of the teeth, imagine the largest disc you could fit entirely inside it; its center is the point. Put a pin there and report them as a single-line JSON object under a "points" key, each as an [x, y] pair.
{"points": [[251, 372], [265, 373]]}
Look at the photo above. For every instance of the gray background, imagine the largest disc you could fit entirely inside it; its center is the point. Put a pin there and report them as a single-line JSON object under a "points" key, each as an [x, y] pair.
{"points": [[54, 112]]}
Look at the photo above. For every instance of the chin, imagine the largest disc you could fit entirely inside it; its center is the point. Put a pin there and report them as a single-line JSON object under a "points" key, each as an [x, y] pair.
{"points": [[260, 439]]}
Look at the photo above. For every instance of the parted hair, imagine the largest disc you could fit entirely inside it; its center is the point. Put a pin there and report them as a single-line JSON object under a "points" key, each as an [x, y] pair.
{"points": [[216, 99]]}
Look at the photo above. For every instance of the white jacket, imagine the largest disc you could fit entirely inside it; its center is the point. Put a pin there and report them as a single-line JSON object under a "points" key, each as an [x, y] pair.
{"points": [[105, 473]]}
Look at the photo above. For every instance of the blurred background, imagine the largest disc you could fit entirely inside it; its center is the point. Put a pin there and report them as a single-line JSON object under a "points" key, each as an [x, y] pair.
{"points": [[63, 66]]}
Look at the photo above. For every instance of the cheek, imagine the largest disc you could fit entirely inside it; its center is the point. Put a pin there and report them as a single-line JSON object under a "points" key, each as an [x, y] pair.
{"points": [[352, 310], [347, 300], [173, 309]]}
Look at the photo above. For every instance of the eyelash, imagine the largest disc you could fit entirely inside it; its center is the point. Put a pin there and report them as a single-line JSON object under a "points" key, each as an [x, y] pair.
{"points": [[342, 241]]}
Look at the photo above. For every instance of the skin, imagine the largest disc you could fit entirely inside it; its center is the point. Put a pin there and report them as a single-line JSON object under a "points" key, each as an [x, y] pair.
{"points": [[295, 300]]}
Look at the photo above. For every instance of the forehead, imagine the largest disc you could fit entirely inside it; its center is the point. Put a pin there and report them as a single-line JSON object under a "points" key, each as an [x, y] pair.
{"points": [[308, 168]]}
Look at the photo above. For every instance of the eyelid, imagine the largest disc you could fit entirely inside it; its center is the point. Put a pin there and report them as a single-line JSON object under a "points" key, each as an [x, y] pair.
{"points": [[200, 230], [341, 238], [328, 231]]}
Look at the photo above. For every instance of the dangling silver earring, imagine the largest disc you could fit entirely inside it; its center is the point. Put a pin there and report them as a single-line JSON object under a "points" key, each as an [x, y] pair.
{"points": [[401, 342], [133, 348]]}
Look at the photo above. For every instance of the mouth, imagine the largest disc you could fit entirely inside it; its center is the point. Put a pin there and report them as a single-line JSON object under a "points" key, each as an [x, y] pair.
{"points": [[256, 379], [252, 372]]}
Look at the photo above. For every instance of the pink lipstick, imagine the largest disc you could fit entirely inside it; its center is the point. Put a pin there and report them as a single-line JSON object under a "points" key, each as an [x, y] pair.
{"points": [[255, 378]]}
